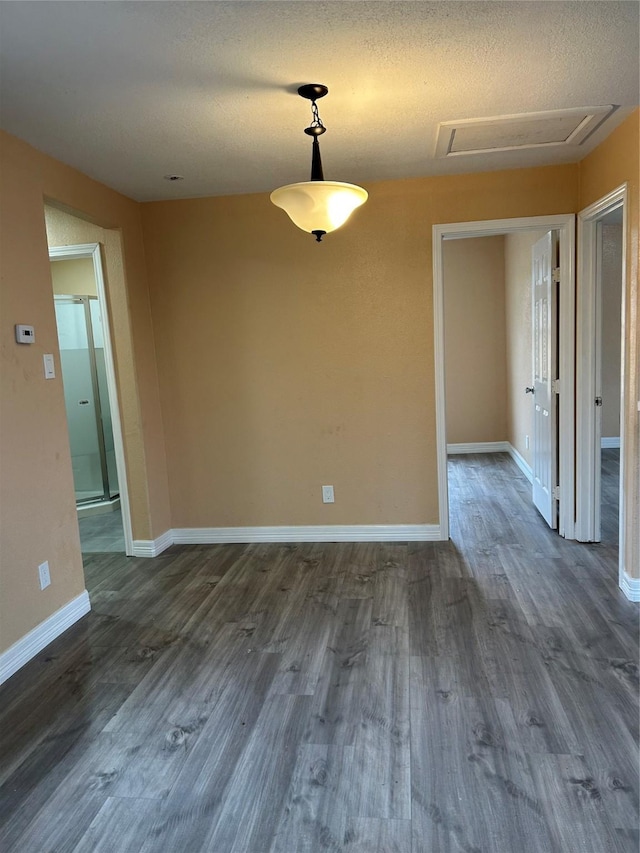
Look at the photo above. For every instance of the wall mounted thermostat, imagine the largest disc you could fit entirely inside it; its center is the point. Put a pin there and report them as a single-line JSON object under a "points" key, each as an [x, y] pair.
{"points": [[25, 334]]}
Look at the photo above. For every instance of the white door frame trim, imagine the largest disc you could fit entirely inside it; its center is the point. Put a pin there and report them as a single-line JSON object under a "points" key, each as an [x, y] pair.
{"points": [[586, 451], [565, 225], [92, 250]]}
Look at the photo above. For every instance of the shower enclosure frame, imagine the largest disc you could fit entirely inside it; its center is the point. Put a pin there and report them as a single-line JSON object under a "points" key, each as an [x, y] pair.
{"points": [[93, 251], [98, 409]]}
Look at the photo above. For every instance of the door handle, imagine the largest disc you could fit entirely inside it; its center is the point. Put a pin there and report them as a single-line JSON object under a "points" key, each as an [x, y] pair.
{"points": [[598, 401], [529, 390]]}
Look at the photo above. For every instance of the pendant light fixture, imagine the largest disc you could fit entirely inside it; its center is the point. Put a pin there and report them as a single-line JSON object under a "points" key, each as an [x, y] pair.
{"points": [[318, 206]]}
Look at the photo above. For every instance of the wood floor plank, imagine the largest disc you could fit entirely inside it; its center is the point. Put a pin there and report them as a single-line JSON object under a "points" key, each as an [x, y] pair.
{"points": [[121, 824], [304, 650], [425, 590], [381, 769], [443, 559], [186, 821], [603, 679], [368, 835], [68, 682], [257, 790], [628, 840], [610, 495], [335, 706], [309, 820], [472, 788], [390, 601], [301, 632], [607, 743], [47, 768], [517, 670], [64, 818], [573, 806], [360, 571]]}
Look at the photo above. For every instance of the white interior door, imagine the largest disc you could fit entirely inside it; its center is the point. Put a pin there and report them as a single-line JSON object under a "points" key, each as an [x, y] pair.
{"points": [[545, 373]]}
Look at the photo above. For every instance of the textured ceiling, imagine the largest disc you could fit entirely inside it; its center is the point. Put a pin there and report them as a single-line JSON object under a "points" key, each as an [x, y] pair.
{"points": [[130, 91]]}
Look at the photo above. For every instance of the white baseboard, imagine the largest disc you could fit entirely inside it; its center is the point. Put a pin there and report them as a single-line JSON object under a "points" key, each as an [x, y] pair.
{"points": [[610, 441], [522, 464], [479, 447], [630, 586], [293, 533], [152, 547], [98, 508], [26, 648], [311, 533]]}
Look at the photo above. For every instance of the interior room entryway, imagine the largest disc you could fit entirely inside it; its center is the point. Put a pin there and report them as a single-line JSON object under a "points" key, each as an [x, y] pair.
{"points": [[501, 336], [503, 328], [88, 376], [600, 374], [609, 372]]}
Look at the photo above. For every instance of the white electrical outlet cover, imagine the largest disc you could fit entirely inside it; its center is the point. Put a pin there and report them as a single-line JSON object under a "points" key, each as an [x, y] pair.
{"points": [[327, 495], [43, 572]]}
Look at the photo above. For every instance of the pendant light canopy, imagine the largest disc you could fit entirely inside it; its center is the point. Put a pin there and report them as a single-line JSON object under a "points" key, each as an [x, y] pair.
{"points": [[318, 206]]}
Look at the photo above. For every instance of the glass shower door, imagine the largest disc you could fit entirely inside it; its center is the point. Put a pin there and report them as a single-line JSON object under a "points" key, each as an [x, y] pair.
{"points": [[103, 394], [81, 399]]}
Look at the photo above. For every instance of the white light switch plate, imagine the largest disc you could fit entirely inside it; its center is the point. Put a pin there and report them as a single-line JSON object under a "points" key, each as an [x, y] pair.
{"points": [[49, 366]]}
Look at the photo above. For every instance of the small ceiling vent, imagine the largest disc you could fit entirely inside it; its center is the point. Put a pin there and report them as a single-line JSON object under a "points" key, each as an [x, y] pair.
{"points": [[526, 130]]}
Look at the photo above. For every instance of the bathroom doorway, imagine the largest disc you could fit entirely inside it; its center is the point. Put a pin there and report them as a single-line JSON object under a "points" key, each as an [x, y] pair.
{"points": [[90, 397]]}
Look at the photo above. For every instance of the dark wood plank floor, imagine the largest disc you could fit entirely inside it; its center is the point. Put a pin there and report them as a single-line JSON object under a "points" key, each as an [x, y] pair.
{"points": [[610, 495], [479, 695]]}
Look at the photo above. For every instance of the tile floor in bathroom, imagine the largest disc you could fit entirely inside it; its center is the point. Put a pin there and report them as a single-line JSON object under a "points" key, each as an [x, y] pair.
{"points": [[102, 533]]}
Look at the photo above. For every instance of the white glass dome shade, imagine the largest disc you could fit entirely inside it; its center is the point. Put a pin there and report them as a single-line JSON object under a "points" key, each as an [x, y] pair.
{"points": [[319, 206]]}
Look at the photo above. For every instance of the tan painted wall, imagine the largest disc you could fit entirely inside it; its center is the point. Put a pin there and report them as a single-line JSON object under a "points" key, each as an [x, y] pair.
{"points": [[611, 329], [37, 505], [73, 278], [286, 364], [517, 294], [474, 332], [614, 162]]}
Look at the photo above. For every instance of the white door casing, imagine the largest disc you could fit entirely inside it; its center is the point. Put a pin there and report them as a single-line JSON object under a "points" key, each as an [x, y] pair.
{"points": [[545, 349], [587, 426]]}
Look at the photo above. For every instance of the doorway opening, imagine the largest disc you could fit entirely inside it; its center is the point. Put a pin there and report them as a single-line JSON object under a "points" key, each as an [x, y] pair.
{"points": [[608, 373], [600, 376], [524, 228], [490, 376], [91, 399]]}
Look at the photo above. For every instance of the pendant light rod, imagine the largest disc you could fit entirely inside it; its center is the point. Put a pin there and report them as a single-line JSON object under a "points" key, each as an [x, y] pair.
{"points": [[316, 162]]}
